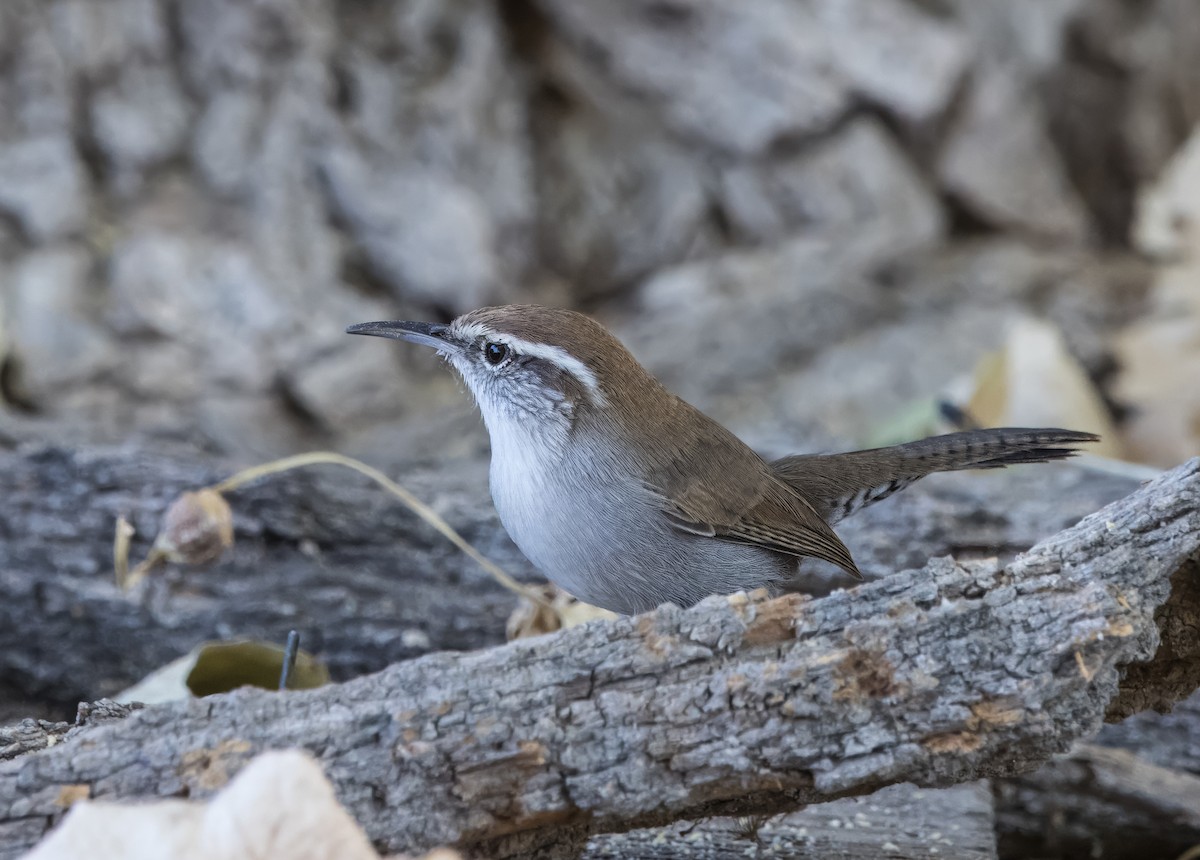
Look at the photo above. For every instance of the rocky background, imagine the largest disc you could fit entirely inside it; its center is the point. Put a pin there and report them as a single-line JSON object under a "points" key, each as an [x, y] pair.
{"points": [[804, 216]]}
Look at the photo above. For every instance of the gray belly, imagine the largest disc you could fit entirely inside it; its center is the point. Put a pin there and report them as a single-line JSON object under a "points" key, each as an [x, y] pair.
{"points": [[611, 546]]}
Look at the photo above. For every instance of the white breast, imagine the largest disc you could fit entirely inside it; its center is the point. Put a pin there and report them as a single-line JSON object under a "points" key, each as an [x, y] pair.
{"points": [[566, 513], [602, 535]]}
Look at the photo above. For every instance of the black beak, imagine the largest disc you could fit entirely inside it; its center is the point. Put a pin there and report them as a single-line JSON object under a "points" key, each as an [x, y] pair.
{"points": [[429, 334]]}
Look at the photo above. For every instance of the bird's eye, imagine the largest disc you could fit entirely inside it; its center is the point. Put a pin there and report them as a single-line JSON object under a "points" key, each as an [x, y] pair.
{"points": [[495, 353]]}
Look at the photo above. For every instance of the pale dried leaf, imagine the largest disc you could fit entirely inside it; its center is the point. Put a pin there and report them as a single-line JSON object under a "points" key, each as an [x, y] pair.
{"points": [[1034, 381], [281, 805], [559, 612], [1159, 355], [1167, 223]]}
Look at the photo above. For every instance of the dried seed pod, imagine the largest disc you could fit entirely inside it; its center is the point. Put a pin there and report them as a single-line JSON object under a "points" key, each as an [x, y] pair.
{"points": [[197, 528]]}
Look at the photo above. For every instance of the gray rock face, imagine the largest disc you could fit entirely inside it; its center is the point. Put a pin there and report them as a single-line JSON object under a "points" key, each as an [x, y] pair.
{"points": [[433, 109], [140, 121], [619, 198], [747, 313], [51, 323], [244, 193], [1028, 33], [43, 186], [423, 235], [859, 181], [234, 183], [999, 162], [736, 78], [211, 298], [895, 55]]}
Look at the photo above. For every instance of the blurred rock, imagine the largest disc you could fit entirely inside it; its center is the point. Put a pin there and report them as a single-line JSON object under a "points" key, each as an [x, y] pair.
{"points": [[1000, 165], [985, 271], [226, 141], [1168, 217], [207, 296], [404, 118], [446, 429], [895, 55], [858, 387], [859, 180], [1079, 101], [773, 180], [96, 39], [707, 326], [347, 387], [435, 107], [140, 121], [53, 332], [228, 275], [617, 198], [230, 44], [1087, 297], [925, 323], [356, 381], [736, 77], [36, 90], [250, 427], [43, 186], [425, 236], [283, 214], [1148, 50], [1028, 33], [1034, 381]]}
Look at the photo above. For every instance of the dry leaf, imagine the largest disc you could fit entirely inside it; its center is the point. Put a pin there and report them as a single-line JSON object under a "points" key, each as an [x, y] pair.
{"points": [[559, 611], [217, 667], [1167, 222], [280, 805], [1034, 381], [1159, 355], [1160, 377]]}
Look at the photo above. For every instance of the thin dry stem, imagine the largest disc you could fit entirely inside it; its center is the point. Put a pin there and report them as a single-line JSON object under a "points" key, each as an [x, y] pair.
{"points": [[414, 504]]}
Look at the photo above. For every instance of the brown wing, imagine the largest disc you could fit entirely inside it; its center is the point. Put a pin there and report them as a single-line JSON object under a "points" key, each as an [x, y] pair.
{"points": [[713, 485]]}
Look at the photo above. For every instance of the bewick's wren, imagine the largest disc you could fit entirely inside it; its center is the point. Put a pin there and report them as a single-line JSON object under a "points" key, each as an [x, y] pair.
{"points": [[627, 497]]}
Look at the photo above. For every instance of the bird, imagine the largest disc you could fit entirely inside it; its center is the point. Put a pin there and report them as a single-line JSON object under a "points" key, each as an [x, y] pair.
{"points": [[627, 497]]}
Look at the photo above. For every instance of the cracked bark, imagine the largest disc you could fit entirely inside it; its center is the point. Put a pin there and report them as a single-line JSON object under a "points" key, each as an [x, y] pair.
{"points": [[737, 706]]}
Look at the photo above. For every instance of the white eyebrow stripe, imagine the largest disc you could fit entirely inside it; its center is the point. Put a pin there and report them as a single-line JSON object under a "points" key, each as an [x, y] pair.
{"points": [[556, 355], [563, 360]]}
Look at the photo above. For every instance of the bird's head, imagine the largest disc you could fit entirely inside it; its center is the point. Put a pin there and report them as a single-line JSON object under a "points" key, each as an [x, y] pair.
{"points": [[527, 363]]}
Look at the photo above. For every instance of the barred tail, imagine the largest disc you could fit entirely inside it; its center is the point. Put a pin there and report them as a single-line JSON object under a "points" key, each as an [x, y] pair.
{"points": [[837, 485]]}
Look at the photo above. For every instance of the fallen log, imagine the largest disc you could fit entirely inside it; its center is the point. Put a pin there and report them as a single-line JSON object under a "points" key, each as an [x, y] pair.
{"points": [[365, 582], [898, 822], [739, 706], [1098, 802], [1169, 740]]}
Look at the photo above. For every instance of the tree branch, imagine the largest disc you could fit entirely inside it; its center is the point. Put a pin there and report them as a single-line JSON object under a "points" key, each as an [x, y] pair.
{"points": [[738, 706], [898, 822], [1099, 801]]}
